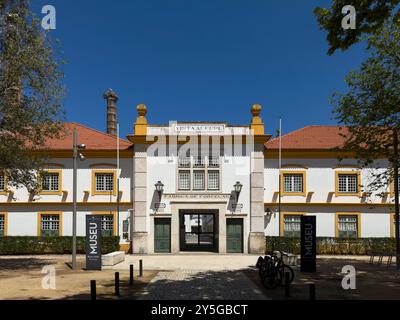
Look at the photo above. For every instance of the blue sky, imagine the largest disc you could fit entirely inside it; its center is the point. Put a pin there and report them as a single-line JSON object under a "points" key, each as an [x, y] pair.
{"points": [[193, 60]]}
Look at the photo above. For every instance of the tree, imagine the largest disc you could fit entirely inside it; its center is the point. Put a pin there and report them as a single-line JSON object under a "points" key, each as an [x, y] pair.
{"points": [[371, 110], [371, 15], [30, 93]]}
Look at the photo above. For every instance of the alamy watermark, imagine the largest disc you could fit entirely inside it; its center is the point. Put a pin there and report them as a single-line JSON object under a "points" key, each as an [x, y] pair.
{"points": [[349, 20], [49, 280], [349, 280], [49, 20]]}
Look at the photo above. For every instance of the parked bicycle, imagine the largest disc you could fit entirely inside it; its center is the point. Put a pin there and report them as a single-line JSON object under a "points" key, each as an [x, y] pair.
{"points": [[272, 270]]}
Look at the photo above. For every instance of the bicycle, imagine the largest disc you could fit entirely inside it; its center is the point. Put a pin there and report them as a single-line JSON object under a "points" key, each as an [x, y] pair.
{"points": [[272, 270]]}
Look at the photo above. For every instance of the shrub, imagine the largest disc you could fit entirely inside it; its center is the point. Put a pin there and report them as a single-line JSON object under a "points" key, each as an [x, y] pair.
{"points": [[334, 246], [51, 245]]}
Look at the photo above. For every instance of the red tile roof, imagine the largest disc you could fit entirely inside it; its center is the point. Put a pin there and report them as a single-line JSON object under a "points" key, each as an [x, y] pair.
{"points": [[92, 138], [310, 138]]}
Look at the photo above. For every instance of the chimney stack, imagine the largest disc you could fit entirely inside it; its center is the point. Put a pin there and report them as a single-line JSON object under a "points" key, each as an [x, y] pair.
{"points": [[112, 99]]}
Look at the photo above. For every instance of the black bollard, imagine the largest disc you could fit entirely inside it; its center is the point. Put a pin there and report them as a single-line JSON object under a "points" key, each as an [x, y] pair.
{"points": [[312, 291], [92, 289], [117, 283], [131, 274], [140, 268], [287, 284]]}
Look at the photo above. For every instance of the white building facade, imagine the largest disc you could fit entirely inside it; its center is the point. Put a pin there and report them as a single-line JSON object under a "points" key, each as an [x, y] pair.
{"points": [[200, 187]]}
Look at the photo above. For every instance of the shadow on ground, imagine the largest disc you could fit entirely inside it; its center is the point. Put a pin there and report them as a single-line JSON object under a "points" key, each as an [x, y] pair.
{"points": [[216, 285], [372, 282]]}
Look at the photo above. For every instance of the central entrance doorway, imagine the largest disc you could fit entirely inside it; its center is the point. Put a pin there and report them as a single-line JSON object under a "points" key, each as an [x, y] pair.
{"points": [[198, 232]]}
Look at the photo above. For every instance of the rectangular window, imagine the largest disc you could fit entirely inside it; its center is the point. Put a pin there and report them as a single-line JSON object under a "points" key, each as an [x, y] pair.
{"points": [[192, 178], [50, 182], [199, 182], [198, 163], [213, 162], [213, 180], [2, 181], [184, 162], [291, 225], [49, 225], [347, 183], [293, 183], [184, 180], [348, 226], [104, 182], [107, 225], [2, 225]]}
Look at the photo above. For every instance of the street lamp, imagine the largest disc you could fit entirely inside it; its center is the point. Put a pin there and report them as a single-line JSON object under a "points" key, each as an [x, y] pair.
{"points": [[238, 188], [159, 188], [75, 156]]}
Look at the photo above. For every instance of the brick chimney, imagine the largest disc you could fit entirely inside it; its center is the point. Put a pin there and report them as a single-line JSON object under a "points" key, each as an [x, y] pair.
{"points": [[112, 99]]}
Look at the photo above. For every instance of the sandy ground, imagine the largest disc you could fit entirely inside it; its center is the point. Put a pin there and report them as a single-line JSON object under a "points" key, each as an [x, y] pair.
{"points": [[372, 281], [21, 278]]}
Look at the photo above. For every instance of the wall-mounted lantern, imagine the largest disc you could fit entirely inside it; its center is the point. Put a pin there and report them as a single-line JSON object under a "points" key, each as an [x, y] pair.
{"points": [[159, 188], [238, 188]]}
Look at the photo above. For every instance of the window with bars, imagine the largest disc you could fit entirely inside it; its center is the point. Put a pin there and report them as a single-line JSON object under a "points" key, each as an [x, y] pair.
{"points": [[348, 226], [104, 181], [293, 183], [2, 182], [291, 225], [107, 225], [213, 180], [190, 178], [347, 183], [2, 225], [49, 225], [199, 182], [184, 180], [50, 182]]}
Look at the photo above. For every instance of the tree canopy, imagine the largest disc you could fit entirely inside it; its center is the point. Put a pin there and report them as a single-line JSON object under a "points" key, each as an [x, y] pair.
{"points": [[371, 107], [30, 92], [370, 17]]}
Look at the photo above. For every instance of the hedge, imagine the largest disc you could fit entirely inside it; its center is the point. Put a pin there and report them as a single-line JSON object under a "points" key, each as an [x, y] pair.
{"points": [[50, 245], [334, 246]]}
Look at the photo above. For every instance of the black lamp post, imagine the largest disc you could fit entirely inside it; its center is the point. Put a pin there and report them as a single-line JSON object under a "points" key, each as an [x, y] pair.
{"points": [[238, 188], [159, 188]]}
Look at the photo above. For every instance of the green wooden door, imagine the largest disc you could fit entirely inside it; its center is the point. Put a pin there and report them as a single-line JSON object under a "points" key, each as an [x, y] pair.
{"points": [[162, 235], [234, 235]]}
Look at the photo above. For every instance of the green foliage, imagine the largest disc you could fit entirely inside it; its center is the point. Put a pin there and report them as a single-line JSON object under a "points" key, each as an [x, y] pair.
{"points": [[51, 245], [334, 246], [30, 93], [371, 107], [371, 15]]}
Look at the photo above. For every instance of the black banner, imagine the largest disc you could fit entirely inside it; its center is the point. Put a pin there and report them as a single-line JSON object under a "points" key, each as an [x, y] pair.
{"points": [[308, 244], [93, 242]]}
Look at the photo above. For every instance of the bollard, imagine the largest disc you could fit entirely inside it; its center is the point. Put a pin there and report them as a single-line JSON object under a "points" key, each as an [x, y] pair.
{"points": [[131, 274], [117, 283], [92, 289], [287, 284], [312, 291], [140, 268]]}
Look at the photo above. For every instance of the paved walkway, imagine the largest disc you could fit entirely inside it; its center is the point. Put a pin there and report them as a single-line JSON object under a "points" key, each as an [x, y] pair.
{"points": [[189, 261], [200, 285], [188, 276]]}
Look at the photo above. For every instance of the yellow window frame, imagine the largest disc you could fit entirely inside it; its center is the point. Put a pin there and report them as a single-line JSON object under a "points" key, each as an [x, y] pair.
{"points": [[5, 191], [46, 192], [5, 214], [43, 213], [104, 213], [282, 217], [357, 214], [351, 194], [286, 193], [96, 171]]}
